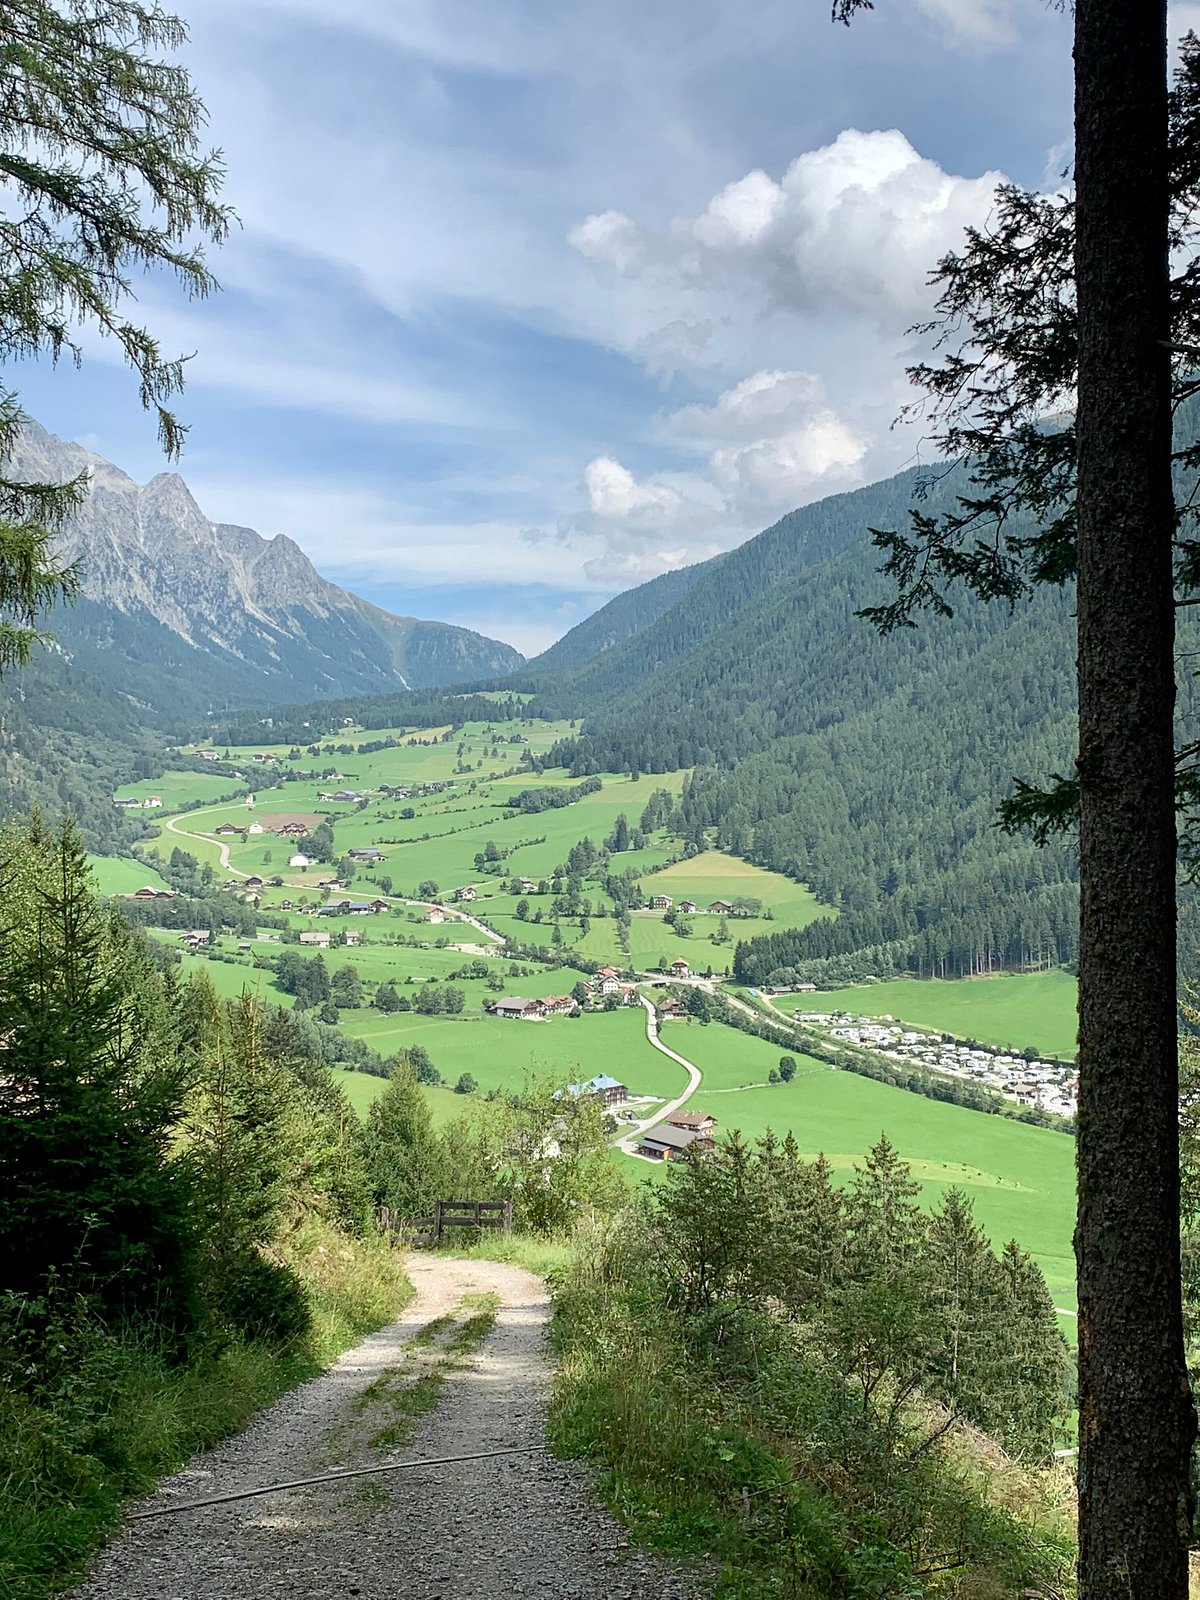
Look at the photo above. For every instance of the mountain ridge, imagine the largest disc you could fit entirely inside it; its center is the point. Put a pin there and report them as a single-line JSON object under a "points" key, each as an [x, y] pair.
{"points": [[233, 617]]}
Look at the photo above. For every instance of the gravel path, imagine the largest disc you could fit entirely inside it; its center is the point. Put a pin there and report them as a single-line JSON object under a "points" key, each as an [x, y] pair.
{"points": [[506, 1529]]}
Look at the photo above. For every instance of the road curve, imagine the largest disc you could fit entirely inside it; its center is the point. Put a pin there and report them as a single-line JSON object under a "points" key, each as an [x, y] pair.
{"points": [[628, 1140]]}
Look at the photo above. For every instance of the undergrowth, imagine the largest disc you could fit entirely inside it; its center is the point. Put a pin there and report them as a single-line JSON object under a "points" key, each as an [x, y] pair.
{"points": [[742, 1449], [107, 1411]]}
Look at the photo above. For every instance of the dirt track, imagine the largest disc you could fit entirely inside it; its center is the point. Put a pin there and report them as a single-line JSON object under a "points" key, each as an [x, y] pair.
{"points": [[505, 1529]]}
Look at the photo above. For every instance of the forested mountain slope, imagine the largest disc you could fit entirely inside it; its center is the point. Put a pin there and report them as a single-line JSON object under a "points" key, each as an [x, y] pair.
{"points": [[623, 617], [180, 613], [870, 767]]}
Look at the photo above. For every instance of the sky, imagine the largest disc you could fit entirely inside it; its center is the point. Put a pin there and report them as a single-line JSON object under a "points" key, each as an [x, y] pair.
{"points": [[529, 301]]}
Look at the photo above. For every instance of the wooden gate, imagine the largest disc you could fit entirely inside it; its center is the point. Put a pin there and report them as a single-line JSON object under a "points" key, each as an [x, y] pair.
{"points": [[447, 1214]]}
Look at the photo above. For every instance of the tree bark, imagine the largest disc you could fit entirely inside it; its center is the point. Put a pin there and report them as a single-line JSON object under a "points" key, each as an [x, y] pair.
{"points": [[1136, 1419]]}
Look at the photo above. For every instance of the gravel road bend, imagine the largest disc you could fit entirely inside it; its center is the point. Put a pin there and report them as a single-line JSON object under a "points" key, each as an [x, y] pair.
{"points": [[506, 1529]]}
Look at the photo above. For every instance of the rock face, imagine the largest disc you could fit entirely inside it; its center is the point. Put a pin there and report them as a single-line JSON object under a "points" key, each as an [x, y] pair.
{"points": [[182, 613]]}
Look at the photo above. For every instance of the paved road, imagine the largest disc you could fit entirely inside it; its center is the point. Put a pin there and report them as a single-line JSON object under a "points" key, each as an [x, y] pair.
{"points": [[633, 1131], [520, 1526]]}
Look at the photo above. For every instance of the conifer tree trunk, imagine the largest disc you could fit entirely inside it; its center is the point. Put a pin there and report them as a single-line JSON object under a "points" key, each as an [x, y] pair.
{"points": [[1136, 1418]]}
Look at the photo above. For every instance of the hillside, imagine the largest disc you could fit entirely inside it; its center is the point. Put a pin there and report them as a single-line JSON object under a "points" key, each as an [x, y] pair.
{"points": [[180, 613]]}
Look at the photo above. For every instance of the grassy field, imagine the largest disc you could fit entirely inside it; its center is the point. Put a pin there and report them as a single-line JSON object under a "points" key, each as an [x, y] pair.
{"points": [[1020, 1179], [499, 1053], [121, 875], [1017, 1009], [177, 789]]}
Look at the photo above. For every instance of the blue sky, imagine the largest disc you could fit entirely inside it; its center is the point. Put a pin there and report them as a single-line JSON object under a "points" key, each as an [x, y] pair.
{"points": [[530, 301]]}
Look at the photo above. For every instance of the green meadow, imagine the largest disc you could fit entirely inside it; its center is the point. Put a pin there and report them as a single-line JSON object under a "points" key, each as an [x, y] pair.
{"points": [[1015, 1009], [121, 875], [176, 789]]}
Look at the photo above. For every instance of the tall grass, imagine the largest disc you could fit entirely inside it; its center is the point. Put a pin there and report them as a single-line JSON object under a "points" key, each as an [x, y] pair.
{"points": [[736, 1446], [93, 1414]]}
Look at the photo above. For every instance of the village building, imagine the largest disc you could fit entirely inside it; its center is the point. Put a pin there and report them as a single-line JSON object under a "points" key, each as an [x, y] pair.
{"points": [[667, 1143], [152, 802], [515, 1006], [606, 984], [670, 1008], [661, 902], [127, 804], [464, 894], [208, 755], [299, 860], [680, 969], [285, 905], [319, 937], [560, 1005], [254, 882], [365, 853], [687, 906], [630, 996], [225, 829], [292, 830], [148, 892], [701, 1122], [721, 908], [255, 827], [434, 915], [353, 937]]}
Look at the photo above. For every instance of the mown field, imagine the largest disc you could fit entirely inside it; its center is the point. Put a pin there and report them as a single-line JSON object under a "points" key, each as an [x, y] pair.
{"points": [[1021, 1179], [1015, 1009], [120, 875], [177, 789]]}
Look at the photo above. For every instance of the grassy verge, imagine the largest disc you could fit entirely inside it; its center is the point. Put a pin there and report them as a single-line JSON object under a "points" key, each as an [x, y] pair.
{"points": [[119, 1411], [743, 1451]]}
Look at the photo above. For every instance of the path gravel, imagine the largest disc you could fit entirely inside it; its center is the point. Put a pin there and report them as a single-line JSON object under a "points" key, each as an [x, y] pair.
{"points": [[507, 1529]]}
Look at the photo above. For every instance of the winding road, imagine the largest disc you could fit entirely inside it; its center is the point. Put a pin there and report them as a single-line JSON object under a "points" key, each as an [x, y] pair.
{"points": [[627, 1142]]}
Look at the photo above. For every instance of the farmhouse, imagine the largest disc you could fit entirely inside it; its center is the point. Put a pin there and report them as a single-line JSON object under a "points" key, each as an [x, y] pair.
{"points": [[225, 829], [365, 853], [255, 827], [697, 1121], [464, 894], [127, 804], [629, 995], [152, 802], [687, 906], [254, 883], [352, 936], [299, 860], [319, 937], [515, 1006], [606, 984], [670, 1008], [527, 885], [285, 905], [559, 1005], [292, 830], [609, 1091], [148, 892], [680, 969], [721, 908], [208, 755], [434, 915], [197, 936], [660, 902], [667, 1143]]}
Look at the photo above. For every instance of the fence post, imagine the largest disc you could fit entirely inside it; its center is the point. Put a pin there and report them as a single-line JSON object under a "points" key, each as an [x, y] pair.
{"points": [[437, 1222], [507, 1214]]}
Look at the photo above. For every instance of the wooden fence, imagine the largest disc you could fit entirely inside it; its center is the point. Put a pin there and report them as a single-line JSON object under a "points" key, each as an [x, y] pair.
{"points": [[447, 1214]]}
